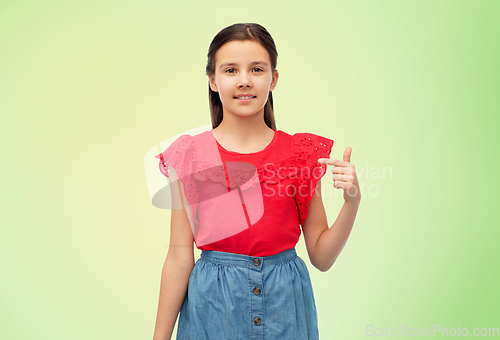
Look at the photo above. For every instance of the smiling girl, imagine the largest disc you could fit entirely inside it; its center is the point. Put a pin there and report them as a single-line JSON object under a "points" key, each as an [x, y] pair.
{"points": [[245, 189]]}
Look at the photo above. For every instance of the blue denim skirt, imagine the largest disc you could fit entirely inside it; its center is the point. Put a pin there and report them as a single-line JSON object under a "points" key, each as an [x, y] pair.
{"points": [[239, 297]]}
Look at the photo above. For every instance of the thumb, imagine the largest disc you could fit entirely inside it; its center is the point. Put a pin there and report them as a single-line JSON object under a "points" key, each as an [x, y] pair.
{"points": [[347, 154]]}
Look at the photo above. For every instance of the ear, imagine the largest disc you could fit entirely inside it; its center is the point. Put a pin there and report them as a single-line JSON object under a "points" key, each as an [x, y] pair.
{"points": [[213, 86], [274, 81]]}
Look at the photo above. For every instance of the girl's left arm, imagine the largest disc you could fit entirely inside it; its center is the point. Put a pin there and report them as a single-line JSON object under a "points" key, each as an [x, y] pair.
{"points": [[324, 244]]}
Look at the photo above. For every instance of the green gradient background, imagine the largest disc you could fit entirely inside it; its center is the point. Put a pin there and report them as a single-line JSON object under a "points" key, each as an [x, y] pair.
{"points": [[88, 87]]}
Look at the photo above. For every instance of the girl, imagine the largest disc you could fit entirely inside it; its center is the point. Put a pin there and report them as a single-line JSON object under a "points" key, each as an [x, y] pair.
{"points": [[242, 191]]}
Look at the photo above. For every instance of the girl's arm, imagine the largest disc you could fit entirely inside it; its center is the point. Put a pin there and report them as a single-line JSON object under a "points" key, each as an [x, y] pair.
{"points": [[324, 244], [175, 274], [174, 283]]}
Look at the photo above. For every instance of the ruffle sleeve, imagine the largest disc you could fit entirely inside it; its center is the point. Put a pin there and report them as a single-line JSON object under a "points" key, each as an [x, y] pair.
{"points": [[308, 148], [181, 155]]}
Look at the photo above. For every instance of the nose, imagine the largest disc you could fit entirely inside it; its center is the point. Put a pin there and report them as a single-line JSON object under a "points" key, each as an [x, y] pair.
{"points": [[244, 81]]}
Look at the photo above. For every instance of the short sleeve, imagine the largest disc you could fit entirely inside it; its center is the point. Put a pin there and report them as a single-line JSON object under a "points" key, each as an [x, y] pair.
{"points": [[181, 155], [308, 148]]}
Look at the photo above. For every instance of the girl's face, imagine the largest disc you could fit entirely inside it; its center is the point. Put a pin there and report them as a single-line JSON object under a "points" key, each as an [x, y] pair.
{"points": [[243, 67]]}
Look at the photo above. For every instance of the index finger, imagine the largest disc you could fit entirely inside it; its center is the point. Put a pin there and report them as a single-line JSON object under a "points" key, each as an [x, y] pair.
{"points": [[332, 161]]}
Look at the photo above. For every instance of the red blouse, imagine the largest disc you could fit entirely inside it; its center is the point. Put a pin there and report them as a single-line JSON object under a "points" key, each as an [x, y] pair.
{"points": [[251, 204]]}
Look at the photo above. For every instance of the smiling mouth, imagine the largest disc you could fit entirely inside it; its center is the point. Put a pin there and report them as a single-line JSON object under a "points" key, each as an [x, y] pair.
{"points": [[246, 97]]}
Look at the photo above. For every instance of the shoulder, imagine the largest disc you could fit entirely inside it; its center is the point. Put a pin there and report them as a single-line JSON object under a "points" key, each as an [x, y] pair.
{"points": [[302, 138], [307, 138], [179, 153], [305, 144], [309, 146], [178, 144], [183, 141]]}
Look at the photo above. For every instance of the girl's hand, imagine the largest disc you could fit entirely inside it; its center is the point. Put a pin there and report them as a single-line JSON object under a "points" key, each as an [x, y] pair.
{"points": [[344, 176]]}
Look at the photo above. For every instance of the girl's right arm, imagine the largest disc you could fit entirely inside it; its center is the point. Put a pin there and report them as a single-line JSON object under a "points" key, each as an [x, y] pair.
{"points": [[175, 274]]}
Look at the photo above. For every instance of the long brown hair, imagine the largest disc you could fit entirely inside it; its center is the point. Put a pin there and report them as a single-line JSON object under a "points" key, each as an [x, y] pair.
{"points": [[242, 32]]}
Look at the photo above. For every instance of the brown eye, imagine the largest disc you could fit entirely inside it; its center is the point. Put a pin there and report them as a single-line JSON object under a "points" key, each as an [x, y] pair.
{"points": [[229, 69]]}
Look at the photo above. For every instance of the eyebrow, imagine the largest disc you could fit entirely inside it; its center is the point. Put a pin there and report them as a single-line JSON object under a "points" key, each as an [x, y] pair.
{"points": [[235, 64]]}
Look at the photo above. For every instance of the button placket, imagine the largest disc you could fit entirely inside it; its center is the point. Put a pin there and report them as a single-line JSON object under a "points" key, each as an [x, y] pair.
{"points": [[257, 296]]}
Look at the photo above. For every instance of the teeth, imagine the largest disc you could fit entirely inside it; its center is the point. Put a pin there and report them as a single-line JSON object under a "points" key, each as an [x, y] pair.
{"points": [[245, 97]]}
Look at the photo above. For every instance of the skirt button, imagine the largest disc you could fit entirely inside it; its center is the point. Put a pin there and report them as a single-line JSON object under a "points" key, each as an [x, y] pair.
{"points": [[256, 290], [257, 321], [256, 262]]}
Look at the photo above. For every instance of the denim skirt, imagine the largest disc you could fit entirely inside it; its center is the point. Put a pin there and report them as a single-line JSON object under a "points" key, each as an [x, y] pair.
{"points": [[240, 297]]}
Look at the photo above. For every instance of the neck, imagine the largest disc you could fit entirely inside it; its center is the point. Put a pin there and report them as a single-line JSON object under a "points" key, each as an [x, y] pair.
{"points": [[241, 129]]}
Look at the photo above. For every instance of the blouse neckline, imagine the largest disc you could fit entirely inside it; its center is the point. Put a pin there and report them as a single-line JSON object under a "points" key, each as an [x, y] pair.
{"points": [[273, 141]]}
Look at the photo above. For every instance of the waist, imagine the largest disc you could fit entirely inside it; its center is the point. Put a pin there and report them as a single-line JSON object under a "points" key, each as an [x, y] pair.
{"points": [[219, 257]]}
